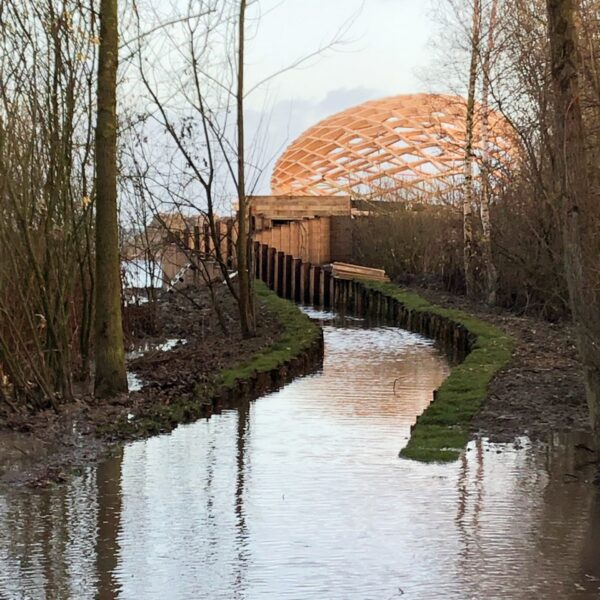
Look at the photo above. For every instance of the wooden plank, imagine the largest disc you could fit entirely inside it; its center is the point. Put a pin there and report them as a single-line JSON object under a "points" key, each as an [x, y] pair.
{"points": [[349, 271], [298, 207], [285, 239], [295, 239]]}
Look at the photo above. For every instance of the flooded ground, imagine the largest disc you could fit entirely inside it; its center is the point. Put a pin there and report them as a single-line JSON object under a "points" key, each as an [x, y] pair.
{"points": [[301, 496]]}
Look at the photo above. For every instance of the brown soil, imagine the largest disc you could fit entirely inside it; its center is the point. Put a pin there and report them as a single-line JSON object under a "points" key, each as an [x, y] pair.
{"points": [[541, 390], [45, 447]]}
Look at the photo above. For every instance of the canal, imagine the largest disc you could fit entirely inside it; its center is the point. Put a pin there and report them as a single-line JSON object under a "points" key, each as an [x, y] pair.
{"points": [[301, 496]]}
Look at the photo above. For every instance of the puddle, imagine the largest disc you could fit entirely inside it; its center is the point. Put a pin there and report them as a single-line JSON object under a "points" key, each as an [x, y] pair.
{"points": [[301, 496], [141, 349]]}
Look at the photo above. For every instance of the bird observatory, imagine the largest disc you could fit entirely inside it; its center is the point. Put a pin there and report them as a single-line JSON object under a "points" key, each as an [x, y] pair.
{"points": [[408, 148]]}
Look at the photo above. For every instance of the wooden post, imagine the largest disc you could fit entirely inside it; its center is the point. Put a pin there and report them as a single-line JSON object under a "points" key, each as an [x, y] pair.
{"points": [[305, 283], [326, 297], [259, 262], [287, 276], [295, 292], [322, 288], [279, 260], [315, 279], [332, 286], [256, 261], [276, 276], [335, 293], [264, 262], [271, 267]]}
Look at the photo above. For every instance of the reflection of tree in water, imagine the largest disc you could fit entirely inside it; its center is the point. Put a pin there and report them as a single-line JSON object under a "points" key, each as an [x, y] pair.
{"points": [[532, 527], [41, 532], [568, 521], [243, 426], [108, 476], [590, 557], [468, 518], [53, 541]]}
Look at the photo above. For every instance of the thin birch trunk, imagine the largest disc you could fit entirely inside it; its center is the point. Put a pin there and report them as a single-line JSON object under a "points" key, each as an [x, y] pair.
{"points": [[468, 233], [484, 207], [245, 301]]}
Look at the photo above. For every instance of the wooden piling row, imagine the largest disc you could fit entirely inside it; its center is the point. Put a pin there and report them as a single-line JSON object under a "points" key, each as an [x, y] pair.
{"points": [[314, 285]]}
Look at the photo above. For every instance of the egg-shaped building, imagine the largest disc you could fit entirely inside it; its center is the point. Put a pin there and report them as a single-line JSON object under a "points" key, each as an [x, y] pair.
{"points": [[402, 146]]}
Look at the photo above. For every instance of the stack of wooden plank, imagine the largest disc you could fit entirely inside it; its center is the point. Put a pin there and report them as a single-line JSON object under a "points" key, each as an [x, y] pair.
{"points": [[341, 270], [299, 207]]}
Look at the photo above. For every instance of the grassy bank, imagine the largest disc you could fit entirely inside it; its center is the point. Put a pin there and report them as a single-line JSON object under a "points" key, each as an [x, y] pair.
{"points": [[300, 333], [294, 351], [442, 431]]}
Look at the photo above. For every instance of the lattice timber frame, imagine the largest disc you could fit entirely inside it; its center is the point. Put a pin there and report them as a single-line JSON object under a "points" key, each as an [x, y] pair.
{"points": [[412, 146]]}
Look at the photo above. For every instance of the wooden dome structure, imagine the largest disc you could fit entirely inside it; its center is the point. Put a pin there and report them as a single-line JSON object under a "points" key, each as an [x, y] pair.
{"points": [[409, 146]]}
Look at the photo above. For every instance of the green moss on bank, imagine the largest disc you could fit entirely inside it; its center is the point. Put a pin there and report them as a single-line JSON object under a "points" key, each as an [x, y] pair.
{"points": [[442, 431], [300, 333], [298, 336]]}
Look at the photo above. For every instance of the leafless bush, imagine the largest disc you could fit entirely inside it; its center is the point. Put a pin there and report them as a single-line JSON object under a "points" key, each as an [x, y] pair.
{"points": [[418, 243], [46, 79]]}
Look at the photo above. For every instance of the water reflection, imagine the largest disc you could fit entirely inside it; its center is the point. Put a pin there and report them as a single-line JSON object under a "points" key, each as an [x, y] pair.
{"points": [[47, 541], [301, 495], [109, 525]]}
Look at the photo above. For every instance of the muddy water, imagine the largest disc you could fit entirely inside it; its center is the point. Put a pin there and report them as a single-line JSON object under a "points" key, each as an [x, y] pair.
{"points": [[301, 495]]}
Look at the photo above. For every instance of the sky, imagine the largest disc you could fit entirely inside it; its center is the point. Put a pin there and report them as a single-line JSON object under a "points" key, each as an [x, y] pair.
{"points": [[385, 50], [359, 50]]}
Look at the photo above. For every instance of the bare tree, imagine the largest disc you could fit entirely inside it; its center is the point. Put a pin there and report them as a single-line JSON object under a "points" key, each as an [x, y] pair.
{"points": [[491, 282], [468, 200], [47, 78], [579, 207], [246, 296], [201, 114], [110, 375]]}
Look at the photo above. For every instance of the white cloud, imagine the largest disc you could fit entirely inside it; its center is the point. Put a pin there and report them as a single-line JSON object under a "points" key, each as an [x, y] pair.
{"points": [[274, 129]]}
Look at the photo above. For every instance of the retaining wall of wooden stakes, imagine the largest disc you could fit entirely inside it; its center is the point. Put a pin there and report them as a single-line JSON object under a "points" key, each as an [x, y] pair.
{"points": [[480, 349]]}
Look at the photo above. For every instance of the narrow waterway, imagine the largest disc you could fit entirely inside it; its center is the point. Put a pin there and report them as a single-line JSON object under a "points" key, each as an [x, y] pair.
{"points": [[301, 496]]}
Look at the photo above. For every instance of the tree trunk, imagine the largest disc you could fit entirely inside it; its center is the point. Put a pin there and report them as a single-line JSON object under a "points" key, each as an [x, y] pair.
{"points": [[578, 208], [491, 282], [468, 235], [246, 296], [110, 375]]}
